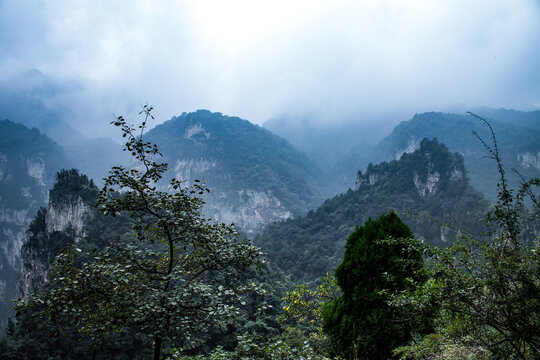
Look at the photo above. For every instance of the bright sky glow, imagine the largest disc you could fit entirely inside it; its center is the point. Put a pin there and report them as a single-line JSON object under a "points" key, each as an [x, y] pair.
{"points": [[332, 60]]}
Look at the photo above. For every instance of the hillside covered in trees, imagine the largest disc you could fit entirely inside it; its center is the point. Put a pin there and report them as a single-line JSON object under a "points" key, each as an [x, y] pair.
{"points": [[254, 176], [414, 247], [428, 188]]}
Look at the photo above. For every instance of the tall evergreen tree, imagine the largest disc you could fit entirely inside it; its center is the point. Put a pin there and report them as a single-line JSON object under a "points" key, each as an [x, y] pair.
{"points": [[381, 258]]}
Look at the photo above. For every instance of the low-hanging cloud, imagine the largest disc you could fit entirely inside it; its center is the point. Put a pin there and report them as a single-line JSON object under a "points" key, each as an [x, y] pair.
{"points": [[258, 60]]}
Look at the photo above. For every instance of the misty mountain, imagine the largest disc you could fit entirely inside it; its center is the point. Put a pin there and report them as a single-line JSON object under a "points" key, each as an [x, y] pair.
{"points": [[518, 139], [338, 147], [24, 100], [26, 103], [28, 162], [428, 188], [254, 176], [343, 147], [530, 119]]}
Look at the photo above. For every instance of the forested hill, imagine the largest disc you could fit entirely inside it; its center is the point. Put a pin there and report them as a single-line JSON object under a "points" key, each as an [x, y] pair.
{"points": [[428, 183], [254, 176], [517, 136]]}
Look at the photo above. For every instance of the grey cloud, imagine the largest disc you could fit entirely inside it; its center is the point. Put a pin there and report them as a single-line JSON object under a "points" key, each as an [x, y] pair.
{"points": [[338, 60]]}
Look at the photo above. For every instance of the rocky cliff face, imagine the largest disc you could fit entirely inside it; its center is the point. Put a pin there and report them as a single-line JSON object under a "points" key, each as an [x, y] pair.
{"points": [[412, 145], [429, 169], [28, 162], [427, 188], [517, 135], [68, 215], [60, 224], [249, 209], [529, 160], [254, 176]]}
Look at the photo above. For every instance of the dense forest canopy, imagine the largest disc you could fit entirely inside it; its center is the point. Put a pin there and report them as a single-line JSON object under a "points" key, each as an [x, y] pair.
{"points": [[111, 290], [310, 246]]}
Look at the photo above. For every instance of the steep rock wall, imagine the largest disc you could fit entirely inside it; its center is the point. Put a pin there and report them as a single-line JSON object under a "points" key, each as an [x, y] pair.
{"points": [[249, 209], [53, 228], [28, 163], [254, 176], [23, 189]]}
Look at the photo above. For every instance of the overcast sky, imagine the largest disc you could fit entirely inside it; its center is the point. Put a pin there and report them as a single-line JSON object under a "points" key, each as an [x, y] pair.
{"points": [[330, 60]]}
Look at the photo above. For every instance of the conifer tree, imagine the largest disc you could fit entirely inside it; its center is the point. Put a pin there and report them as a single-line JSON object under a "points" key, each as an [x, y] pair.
{"points": [[381, 258]]}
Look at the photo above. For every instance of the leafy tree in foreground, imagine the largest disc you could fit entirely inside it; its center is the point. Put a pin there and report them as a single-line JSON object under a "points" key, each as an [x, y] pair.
{"points": [[488, 291], [381, 258], [174, 280], [305, 305]]}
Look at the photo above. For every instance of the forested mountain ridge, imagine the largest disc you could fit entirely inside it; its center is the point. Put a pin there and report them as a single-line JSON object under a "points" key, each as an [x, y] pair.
{"points": [[254, 176], [28, 162], [425, 184], [429, 183], [517, 137], [422, 173], [342, 148]]}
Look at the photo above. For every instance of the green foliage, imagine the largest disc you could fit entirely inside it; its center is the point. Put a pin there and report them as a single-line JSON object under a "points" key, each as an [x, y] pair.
{"points": [[71, 184], [174, 280], [488, 291], [381, 258], [305, 306], [308, 247], [303, 315], [37, 229], [45, 340], [254, 347], [518, 135], [246, 155]]}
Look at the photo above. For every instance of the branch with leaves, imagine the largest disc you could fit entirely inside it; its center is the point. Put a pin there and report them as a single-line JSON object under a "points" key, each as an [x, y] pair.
{"points": [[162, 281]]}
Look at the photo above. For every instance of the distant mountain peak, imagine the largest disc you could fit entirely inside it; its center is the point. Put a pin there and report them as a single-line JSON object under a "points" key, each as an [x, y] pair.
{"points": [[517, 135], [428, 169], [255, 176]]}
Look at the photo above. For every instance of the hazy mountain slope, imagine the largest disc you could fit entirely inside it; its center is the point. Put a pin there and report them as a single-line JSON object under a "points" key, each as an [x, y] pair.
{"points": [[95, 157], [529, 119], [28, 162], [518, 140], [430, 182], [254, 176], [337, 147], [26, 105]]}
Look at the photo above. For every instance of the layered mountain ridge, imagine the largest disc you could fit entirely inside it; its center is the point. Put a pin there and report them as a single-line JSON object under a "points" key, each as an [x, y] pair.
{"points": [[517, 139], [429, 183], [256, 177]]}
